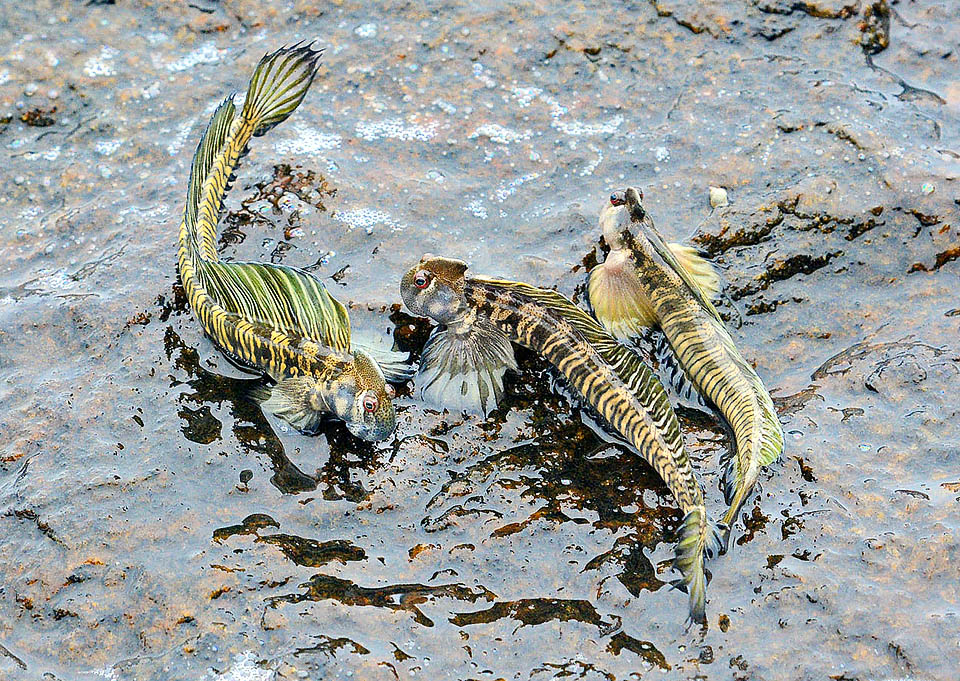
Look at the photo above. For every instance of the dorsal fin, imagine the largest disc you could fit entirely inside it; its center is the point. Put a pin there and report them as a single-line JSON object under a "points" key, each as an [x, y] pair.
{"points": [[631, 369], [284, 298], [210, 145], [701, 272]]}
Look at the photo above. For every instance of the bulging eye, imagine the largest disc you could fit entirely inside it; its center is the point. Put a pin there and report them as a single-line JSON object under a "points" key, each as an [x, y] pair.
{"points": [[421, 279], [370, 403], [616, 199]]}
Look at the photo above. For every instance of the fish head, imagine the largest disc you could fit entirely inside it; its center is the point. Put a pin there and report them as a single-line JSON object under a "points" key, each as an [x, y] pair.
{"points": [[370, 414], [615, 220], [434, 288], [626, 224]]}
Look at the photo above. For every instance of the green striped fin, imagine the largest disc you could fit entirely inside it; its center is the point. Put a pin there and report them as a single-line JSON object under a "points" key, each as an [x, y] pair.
{"points": [[284, 298], [279, 84], [210, 145]]}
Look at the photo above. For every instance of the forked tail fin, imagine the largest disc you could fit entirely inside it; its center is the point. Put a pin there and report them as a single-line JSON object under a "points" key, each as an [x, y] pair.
{"points": [[699, 541], [278, 85]]}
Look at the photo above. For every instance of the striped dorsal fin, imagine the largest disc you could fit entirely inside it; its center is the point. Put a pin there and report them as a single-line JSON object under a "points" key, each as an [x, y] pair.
{"points": [[628, 365], [212, 142], [284, 298]]}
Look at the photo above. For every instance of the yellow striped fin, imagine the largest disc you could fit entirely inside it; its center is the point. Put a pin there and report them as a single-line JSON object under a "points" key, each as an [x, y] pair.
{"points": [[278, 85], [701, 272], [284, 298], [617, 300], [209, 147]]}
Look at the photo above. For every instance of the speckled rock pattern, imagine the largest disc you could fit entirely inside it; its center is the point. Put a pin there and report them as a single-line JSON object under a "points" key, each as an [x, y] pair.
{"points": [[155, 525]]}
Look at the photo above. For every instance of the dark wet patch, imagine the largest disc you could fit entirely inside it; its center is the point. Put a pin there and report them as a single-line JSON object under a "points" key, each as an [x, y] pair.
{"points": [[313, 553], [404, 597]]}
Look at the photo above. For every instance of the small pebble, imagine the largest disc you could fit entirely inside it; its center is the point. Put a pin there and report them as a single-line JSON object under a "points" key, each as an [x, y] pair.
{"points": [[718, 197], [927, 188], [31, 89]]}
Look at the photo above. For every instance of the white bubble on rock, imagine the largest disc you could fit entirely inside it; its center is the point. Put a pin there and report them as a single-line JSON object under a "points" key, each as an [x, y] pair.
{"points": [[244, 668], [580, 129], [445, 106], [499, 134], [476, 209], [101, 65], [205, 54], [395, 128], [308, 140], [510, 188], [107, 147], [367, 218]]}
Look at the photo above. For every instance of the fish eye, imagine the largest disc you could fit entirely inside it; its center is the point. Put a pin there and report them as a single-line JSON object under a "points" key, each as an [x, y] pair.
{"points": [[370, 403], [421, 279], [616, 199]]}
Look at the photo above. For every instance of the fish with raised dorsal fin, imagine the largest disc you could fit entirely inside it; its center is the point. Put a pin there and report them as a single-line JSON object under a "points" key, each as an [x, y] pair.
{"points": [[464, 361], [276, 319], [646, 282]]}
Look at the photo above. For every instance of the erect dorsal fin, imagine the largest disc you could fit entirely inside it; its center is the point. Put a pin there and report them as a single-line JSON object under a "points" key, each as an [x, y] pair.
{"points": [[284, 298], [701, 272]]}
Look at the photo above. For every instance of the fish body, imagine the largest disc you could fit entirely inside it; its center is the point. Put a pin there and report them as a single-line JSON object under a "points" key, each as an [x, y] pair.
{"points": [[482, 316], [279, 320], [671, 288]]}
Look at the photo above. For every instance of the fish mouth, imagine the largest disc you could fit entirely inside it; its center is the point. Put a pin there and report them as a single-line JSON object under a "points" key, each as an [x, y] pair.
{"points": [[373, 432]]}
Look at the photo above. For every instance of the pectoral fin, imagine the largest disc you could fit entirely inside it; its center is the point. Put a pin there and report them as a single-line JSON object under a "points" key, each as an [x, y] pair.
{"points": [[617, 300], [701, 271], [296, 400], [462, 370]]}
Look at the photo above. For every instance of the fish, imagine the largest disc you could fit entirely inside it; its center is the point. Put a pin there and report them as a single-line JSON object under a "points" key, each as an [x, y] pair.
{"points": [[646, 282], [465, 359], [280, 321]]}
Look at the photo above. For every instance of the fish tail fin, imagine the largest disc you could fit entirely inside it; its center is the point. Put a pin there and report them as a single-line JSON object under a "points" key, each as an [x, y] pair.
{"points": [[764, 449], [699, 541], [616, 297], [213, 140], [464, 371], [278, 85]]}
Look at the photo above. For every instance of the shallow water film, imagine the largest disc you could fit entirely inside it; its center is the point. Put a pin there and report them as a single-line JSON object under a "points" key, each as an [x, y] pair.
{"points": [[154, 524]]}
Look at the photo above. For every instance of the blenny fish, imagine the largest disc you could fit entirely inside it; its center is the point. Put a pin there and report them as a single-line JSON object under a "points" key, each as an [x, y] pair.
{"points": [[646, 282], [464, 361], [278, 320]]}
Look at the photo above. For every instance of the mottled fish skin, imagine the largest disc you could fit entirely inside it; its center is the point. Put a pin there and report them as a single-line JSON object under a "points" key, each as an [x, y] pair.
{"points": [[702, 345], [276, 319], [606, 374]]}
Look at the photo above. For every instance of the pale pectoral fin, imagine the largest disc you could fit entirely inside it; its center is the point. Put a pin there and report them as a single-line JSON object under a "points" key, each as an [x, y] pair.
{"points": [[395, 365], [463, 370], [296, 400], [701, 271], [618, 302]]}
